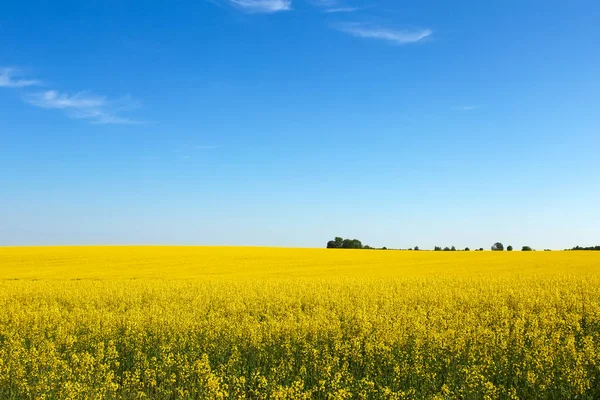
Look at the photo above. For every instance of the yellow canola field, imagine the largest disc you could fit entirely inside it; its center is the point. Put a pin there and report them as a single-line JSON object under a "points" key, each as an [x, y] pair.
{"points": [[217, 263], [266, 323]]}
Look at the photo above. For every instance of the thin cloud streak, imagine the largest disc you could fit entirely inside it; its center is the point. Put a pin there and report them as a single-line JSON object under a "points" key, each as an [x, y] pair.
{"points": [[342, 10], [262, 6], [84, 105], [333, 6], [390, 35], [11, 78]]}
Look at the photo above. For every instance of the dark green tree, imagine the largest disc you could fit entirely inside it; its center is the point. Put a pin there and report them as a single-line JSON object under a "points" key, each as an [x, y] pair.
{"points": [[526, 248], [453, 248], [498, 247], [467, 249], [509, 248], [351, 244], [335, 243]]}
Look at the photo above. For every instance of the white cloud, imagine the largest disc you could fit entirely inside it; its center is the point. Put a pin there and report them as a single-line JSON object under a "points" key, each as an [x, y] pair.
{"points": [[262, 6], [11, 78], [81, 105], [333, 6], [390, 35], [84, 105]]}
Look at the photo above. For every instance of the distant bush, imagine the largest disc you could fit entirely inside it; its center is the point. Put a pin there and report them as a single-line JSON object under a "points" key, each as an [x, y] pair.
{"points": [[526, 248], [509, 248]]}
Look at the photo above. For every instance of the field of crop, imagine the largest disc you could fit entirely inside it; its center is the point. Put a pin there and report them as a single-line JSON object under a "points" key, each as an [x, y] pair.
{"points": [[260, 323]]}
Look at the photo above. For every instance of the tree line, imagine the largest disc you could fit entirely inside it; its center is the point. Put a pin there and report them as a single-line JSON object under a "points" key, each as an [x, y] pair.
{"points": [[594, 248], [495, 247], [341, 243]]}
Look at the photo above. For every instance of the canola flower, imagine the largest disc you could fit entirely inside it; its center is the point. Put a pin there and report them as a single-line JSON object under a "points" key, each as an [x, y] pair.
{"points": [[231, 323]]}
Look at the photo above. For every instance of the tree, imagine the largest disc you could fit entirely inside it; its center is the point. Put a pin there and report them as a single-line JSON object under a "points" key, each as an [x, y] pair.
{"points": [[526, 248], [437, 248], [341, 243], [467, 249], [481, 249], [509, 248], [498, 247], [416, 248], [446, 248], [336, 243], [351, 244], [453, 248]]}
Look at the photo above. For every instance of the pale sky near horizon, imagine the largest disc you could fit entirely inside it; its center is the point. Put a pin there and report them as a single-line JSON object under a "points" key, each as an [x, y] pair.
{"points": [[289, 122]]}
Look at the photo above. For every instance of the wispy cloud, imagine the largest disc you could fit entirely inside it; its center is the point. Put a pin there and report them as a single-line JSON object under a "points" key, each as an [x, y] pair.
{"points": [[333, 6], [390, 35], [84, 105], [261, 6], [12, 78]]}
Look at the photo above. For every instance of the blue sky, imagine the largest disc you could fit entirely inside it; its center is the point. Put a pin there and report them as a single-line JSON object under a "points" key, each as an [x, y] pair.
{"points": [[288, 122]]}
